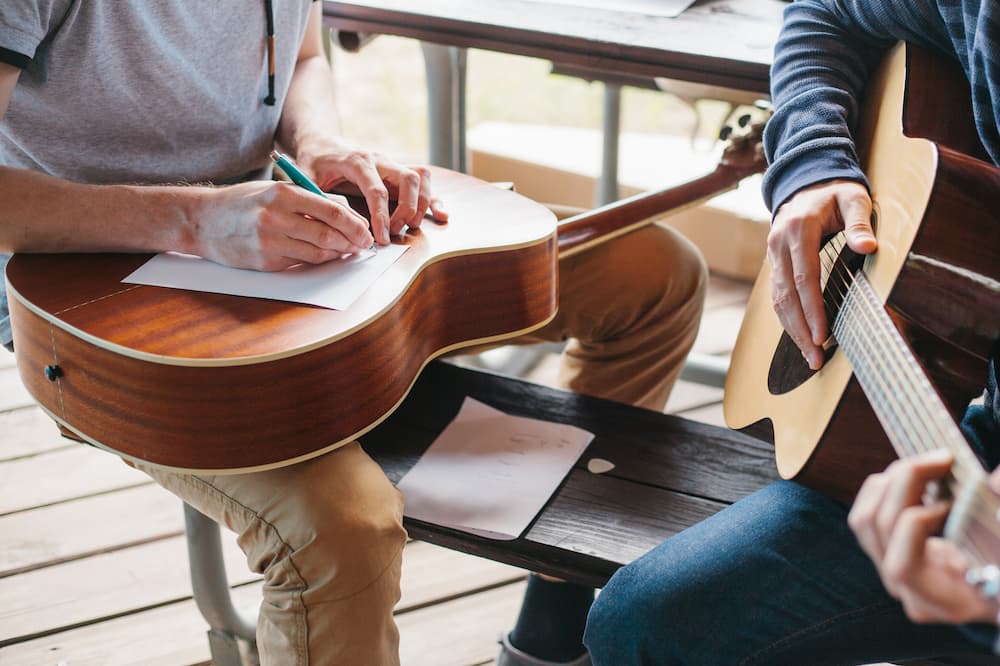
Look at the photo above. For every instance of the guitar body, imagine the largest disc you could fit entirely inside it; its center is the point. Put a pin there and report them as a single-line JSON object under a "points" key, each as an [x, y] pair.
{"points": [[937, 271], [205, 382]]}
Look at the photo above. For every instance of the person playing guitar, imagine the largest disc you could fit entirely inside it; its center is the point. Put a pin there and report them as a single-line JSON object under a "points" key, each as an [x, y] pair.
{"points": [[789, 575]]}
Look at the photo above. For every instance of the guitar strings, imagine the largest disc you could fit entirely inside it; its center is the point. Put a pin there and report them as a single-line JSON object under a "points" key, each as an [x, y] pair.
{"points": [[983, 510], [900, 380], [890, 367]]}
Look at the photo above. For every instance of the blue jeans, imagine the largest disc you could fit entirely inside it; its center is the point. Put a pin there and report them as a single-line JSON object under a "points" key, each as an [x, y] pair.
{"points": [[776, 578]]}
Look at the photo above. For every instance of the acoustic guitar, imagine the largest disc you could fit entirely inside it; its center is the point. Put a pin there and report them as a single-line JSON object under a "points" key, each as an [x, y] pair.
{"points": [[914, 323], [204, 382]]}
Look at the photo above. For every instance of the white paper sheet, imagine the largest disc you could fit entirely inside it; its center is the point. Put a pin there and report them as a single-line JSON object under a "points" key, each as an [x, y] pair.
{"points": [[490, 473], [667, 8], [335, 284]]}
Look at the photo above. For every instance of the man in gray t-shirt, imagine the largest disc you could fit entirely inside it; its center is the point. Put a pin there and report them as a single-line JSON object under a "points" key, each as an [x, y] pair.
{"points": [[107, 109], [114, 116]]}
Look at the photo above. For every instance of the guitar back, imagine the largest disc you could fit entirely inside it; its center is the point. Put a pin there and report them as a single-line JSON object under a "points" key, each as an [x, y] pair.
{"points": [[932, 271], [210, 382]]}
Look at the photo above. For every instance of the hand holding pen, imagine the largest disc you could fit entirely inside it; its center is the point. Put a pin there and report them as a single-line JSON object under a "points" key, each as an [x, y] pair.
{"points": [[380, 181], [296, 176]]}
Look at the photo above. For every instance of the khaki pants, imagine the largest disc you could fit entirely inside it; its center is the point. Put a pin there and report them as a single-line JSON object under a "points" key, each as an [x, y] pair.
{"points": [[327, 533]]}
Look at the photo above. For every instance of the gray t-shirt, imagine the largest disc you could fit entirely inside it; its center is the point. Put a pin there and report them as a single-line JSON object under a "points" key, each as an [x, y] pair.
{"points": [[130, 91]]}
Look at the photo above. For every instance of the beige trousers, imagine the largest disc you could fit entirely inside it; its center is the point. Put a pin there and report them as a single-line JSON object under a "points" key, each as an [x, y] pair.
{"points": [[327, 534]]}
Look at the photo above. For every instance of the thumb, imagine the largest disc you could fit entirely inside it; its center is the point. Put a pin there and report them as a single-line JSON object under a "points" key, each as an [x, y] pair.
{"points": [[857, 212]]}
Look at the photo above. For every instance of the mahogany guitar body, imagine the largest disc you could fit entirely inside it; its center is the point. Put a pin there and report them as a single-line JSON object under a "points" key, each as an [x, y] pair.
{"points": [[205, 382], [937, 271]]}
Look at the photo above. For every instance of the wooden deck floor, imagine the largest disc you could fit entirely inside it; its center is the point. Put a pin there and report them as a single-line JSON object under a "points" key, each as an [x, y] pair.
{"points": [[93, 566]]}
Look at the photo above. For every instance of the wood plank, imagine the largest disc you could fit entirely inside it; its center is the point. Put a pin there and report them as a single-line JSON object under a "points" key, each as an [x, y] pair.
{"points": [[719, 329], [66, 595], [13, 395], [724, 291], [72, 530], [461, 632], [710, 414], [172, 635], [64, 474], [28, 431], [689, 395]]}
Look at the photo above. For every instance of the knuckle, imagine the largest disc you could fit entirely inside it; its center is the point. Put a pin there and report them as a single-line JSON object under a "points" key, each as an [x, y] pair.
{"points": [[884, 524], [916, 612], [775, 241], [782, 299], [314, 255], [410, 178], [802, 279], [325, 237], [858, 519], [893, 574], [360, 158], [405, 210]]}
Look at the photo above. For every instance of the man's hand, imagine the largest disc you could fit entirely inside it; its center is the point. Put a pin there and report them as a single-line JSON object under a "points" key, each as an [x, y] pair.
{"points": [[270, 226], [897, 531], [793, 251], [379, 180]]}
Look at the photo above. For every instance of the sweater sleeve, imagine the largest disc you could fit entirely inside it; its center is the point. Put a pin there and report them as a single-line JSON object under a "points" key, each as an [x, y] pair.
{"points": [[825, 53]]}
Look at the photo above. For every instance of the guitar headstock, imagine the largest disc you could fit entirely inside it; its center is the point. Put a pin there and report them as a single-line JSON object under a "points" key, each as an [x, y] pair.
{"points": [[745, 141]]}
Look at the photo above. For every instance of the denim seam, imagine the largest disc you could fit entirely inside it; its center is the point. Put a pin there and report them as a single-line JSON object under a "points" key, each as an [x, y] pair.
{"points": [[814, 629]]}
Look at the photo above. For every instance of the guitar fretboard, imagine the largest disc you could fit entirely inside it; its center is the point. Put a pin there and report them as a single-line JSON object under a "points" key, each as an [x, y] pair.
{"points": [[911, 412]]}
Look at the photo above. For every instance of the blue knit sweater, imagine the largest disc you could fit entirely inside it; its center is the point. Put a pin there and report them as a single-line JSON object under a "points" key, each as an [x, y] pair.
{"points": [[824, 55]]}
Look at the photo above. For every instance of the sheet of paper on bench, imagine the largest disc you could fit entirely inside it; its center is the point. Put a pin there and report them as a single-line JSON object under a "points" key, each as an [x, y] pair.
{"points": [[490, 473], [335, 284]]}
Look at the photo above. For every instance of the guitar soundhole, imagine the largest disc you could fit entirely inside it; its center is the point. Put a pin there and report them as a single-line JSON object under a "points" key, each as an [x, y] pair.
{"points": [[789, 369]]}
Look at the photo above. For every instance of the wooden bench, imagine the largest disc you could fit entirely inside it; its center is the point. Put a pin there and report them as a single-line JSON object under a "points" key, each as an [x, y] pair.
{"points": [[669, 473]]}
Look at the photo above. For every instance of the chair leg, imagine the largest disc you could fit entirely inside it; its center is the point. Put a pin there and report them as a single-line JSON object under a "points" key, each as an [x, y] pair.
{"points": [[211, 592]]}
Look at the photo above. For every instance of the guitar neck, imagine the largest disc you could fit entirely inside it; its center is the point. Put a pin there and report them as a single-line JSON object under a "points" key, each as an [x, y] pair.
{"points": [[912, 413], [586, 230]]}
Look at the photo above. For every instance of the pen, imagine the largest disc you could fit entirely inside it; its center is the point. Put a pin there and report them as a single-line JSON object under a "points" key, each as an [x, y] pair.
{"points": [[298, 177], [294, 174]]}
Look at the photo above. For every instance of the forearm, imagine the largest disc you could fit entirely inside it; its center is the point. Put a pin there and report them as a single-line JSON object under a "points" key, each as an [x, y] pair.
{"points": [[308, 121], [823, 59], [46, 214]]}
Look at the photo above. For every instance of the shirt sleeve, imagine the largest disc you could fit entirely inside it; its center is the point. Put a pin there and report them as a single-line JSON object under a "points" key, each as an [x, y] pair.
{"points": [[825, 53], [24, 25]]}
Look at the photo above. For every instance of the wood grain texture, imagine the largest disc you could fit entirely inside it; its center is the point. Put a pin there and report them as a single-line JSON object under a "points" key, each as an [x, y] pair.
{"points": [[201, 381], [719, 42]]}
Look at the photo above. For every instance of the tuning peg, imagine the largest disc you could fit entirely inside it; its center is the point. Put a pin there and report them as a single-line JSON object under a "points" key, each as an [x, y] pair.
{"points": [[763, 104], [986, 578], [725, 132]]}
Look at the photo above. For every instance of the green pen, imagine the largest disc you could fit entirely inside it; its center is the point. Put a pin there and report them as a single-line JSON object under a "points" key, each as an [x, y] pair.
{"points": [[298, 177], [294, 174]]}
